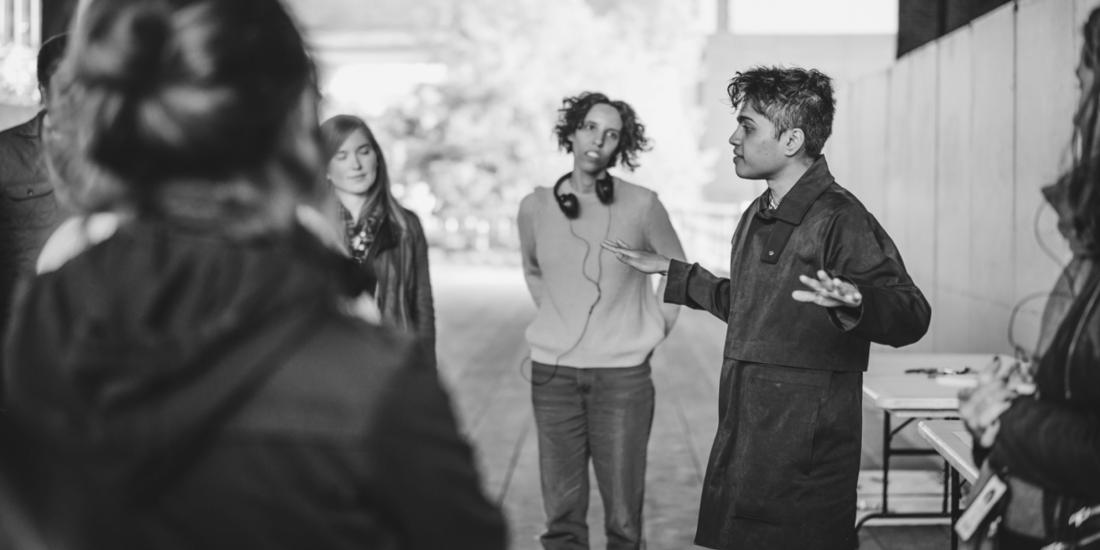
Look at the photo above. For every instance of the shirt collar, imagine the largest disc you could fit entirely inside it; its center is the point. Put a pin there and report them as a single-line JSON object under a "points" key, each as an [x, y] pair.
{"points": [[33, 127], [798, 200]]}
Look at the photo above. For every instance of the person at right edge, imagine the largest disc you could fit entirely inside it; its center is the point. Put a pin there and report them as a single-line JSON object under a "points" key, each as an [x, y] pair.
{"points": [[783, 469], [1045, 444]]}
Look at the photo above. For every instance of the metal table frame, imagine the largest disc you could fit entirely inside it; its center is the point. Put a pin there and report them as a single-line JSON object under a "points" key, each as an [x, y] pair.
{"points": [[956, 454], [889, 451], [914, 397]]}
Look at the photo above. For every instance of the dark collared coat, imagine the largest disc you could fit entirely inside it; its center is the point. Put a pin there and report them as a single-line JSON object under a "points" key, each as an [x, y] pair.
{"points": [[784, 465], [399, 259], [179, 389], [28, 209], [1052, 438], [397, 263]]}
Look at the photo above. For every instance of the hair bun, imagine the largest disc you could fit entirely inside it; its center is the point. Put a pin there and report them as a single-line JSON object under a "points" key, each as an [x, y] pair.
{"points": [[126, 51], [183, 89]]}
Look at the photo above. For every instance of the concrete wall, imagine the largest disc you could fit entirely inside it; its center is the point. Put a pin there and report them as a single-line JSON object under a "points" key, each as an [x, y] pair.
{"points": [[949, 147]]}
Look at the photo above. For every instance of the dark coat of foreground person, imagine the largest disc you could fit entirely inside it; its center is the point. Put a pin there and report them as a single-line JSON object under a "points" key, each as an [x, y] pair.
{"points": [[183, 391], [192, 368]]}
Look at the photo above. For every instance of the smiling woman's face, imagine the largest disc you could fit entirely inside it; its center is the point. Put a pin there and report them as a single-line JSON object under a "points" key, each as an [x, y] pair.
{"points": [[354, 168]]}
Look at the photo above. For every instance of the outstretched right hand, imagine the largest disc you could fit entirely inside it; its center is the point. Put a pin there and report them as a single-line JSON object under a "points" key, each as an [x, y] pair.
{"points": [[644, 261]]}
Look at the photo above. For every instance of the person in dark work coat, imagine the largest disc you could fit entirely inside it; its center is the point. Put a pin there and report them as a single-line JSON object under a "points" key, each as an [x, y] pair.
{"points": [[783, 469], [28, 208]]}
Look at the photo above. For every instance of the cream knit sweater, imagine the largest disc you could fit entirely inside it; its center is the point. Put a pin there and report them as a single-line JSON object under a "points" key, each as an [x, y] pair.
{"points": [[592, 310]]}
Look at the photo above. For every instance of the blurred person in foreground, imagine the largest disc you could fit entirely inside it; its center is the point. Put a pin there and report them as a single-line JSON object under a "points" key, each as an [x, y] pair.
{"points": [[382, 236], [814, 279], [1040, 433], [29, 209], [191, 378], [596, 326]]}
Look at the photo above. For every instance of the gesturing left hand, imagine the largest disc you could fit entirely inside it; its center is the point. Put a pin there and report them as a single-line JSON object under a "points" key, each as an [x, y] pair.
{"points": [[644, 261], [828, 291]]}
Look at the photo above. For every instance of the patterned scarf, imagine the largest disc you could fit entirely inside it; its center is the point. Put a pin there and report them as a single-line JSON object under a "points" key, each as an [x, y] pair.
{"points": [[360, 234]]}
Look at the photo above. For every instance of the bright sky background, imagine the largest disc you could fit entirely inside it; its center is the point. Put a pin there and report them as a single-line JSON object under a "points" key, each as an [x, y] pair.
{"points": [[814, 16]]}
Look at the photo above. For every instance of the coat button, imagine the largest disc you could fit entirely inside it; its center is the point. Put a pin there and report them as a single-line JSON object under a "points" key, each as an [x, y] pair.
{"points": [[30, 192], [771, 253]]}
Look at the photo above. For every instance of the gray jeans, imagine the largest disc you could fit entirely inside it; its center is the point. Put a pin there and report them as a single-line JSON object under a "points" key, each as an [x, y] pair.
{"points": [[605, 414]]}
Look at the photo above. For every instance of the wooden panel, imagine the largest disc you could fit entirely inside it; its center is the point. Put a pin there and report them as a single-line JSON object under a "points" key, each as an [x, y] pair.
{"points": [[911, 163], [1045, 102], [950, 318], [868, 166], [897, 151], [839, 148], [992, 276], [918, 195]]}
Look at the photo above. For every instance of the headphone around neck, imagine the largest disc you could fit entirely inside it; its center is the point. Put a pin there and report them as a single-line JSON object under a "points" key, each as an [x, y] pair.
{"points": [[571, 206]]}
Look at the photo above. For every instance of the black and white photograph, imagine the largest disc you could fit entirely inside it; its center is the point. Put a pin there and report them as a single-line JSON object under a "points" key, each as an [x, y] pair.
{"points": [[550, 275]]}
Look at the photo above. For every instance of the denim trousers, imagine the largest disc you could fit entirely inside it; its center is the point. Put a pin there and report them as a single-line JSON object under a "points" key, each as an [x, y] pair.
{"points": [[605, 414]]}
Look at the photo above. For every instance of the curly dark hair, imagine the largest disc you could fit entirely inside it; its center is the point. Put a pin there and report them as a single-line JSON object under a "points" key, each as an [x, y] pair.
{"points": [[789, 98], [632, 140]]}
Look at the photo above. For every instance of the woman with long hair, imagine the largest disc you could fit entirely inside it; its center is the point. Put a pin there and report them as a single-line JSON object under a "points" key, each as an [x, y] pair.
{"points": [[379, 233], [1043, 438], [191, 377]]}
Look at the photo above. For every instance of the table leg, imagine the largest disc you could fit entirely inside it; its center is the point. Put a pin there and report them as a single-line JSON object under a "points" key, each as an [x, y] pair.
{"points": [[946, 485], [956, 495], [888, 452], [886, 437]]}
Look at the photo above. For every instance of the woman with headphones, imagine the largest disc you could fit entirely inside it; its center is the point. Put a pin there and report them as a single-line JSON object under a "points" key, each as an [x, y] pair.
{"points": [[596, 325]]}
